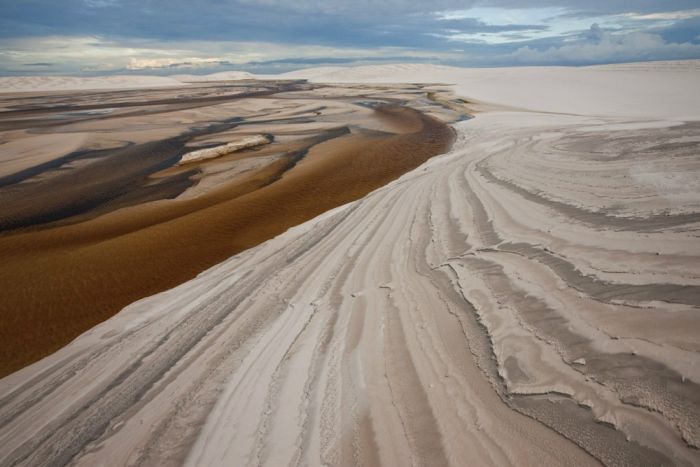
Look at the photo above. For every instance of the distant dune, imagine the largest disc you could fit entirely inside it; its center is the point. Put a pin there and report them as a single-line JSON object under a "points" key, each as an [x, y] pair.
{"points": [[70, 83], [613, 90], [632, 90], [220, 76]]}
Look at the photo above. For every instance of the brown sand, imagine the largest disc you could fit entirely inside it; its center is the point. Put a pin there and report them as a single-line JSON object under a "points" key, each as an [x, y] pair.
{"points": [[60, 282]]}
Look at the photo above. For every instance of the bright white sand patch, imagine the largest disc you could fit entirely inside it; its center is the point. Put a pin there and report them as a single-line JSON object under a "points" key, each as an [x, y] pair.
{"points": [[218, 151]]}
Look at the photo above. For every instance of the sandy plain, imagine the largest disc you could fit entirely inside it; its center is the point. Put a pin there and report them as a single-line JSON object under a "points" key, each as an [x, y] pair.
{"points": [[528, 298]]}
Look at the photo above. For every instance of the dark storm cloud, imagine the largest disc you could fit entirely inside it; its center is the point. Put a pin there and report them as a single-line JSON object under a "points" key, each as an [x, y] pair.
{"points": [[192, 30]]}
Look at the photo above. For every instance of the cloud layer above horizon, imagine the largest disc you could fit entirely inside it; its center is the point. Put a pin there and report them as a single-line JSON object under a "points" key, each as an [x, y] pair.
{"points": [[156, 36]]}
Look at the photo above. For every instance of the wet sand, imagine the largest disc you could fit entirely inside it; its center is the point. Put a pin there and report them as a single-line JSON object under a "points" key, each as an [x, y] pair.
{"points": [[80, 256]]}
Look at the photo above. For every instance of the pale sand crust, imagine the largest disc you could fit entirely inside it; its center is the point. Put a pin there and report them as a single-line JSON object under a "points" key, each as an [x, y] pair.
{"points": [[461, 315]]}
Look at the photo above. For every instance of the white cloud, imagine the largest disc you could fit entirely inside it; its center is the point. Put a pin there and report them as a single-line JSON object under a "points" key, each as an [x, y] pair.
{"points": [[70, 54], [494, 16], [608, 47], [503, 16], [100, 3], [666, 16], [185, 62], [555, 22]]}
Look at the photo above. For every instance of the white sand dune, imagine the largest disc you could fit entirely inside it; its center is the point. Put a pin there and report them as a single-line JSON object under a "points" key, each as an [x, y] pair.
{"points": [[71, 83], [636, 90], [491, 307], [220, 76]]}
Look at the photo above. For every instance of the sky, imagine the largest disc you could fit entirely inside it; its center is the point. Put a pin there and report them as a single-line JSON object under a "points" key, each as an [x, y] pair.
{"points": [[268, 36]]}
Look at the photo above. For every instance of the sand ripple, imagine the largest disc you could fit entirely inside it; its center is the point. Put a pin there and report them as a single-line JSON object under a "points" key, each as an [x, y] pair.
{"points": [[469, 313]]}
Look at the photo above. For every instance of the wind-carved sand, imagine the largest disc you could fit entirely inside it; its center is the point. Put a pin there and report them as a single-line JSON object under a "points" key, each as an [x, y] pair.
{"points": [[529, 298]]}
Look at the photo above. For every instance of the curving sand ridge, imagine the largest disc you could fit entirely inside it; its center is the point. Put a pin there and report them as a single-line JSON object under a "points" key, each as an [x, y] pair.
{"points": [[529, 298]]}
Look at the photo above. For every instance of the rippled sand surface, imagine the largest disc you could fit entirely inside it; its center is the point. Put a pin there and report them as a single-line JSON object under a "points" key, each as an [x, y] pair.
{"points": [[529, 298]]}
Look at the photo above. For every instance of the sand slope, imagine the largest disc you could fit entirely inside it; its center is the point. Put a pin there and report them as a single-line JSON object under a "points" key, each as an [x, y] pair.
{"points": [[67, 83], [220, 76], [652, 90], [491, 307]]}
